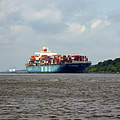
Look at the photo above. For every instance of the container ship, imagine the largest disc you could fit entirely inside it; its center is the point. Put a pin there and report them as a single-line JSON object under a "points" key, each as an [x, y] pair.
{"points": [[48, 62]]}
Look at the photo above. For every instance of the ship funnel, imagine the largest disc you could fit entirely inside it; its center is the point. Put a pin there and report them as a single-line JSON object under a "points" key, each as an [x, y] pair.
{"points": [[45, 49]]}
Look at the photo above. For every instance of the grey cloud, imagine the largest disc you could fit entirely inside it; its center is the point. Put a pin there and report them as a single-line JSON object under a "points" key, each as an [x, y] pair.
{"points": [[11, 19], [44, 28], [114, 16]]}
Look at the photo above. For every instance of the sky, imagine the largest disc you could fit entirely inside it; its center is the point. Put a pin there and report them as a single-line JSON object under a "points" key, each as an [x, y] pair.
{"points": [[85, 27]]}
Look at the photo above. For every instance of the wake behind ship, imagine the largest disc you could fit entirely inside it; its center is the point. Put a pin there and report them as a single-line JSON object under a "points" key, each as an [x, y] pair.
{"points": [[48, 62]]}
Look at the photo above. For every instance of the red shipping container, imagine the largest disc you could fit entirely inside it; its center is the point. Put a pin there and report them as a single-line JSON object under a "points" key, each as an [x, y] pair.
{"points": [[32, 58]]}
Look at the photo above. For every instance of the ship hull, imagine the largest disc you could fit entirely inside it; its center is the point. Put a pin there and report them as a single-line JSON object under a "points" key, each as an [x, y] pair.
{"points": [[66, 68]]}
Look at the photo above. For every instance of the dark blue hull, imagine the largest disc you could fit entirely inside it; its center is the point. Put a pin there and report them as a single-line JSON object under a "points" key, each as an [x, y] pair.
{"points": [[74, 68], [66, 68]]}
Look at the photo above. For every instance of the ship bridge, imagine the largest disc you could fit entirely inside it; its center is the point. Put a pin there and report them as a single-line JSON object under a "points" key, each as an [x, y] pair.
{"points": [[45, 51]]}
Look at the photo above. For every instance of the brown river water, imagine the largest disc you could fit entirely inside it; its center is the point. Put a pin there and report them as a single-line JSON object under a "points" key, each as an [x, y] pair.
{"points": [[59, 96]]}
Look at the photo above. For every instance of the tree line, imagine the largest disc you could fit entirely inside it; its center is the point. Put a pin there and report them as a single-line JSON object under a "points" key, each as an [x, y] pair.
{"points": [[108, 66]]}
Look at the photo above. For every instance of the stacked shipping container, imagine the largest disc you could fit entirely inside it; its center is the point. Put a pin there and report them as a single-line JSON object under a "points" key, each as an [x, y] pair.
{"points": [[55, 60]]}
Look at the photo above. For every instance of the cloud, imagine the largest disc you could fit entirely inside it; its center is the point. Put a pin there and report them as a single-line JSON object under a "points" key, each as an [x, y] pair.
{"points": [[76, 28], [102, 23], [17, 29], [44, 15], [2, 16], [83, 28], [96, 24], [3, 40], [107, 23]]}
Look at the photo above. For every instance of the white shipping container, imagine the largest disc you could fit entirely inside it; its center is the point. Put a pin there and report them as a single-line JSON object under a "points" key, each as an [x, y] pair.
{"points": [[37, 58], [45, 69], [41, 69]]}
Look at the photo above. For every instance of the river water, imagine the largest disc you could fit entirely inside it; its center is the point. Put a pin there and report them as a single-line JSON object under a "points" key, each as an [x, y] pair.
{"points": [[59, 96]]}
